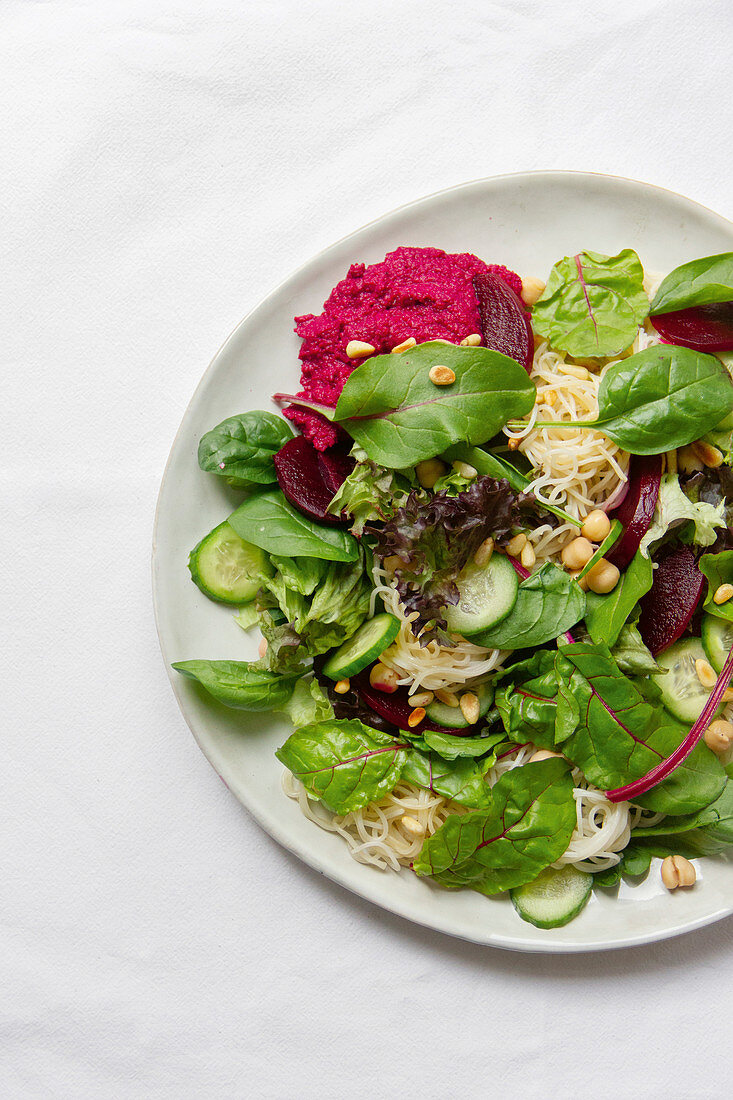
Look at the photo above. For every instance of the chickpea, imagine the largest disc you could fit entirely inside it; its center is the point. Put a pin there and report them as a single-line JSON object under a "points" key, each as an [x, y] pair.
{"points": [[597, 525], [678, 871], [577, 553], [603, 577], [429, 471], [383, 678], [719, 735]]}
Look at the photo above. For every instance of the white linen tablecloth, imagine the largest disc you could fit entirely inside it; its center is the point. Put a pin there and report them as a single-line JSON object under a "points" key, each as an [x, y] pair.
{"points": [[165, 163]]}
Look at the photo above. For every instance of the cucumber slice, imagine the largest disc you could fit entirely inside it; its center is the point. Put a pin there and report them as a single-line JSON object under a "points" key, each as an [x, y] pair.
{"points": [[452, 717], [371, 639], [717, 638], [226, 568], [554, 898], [487, 595], [682, 693]]}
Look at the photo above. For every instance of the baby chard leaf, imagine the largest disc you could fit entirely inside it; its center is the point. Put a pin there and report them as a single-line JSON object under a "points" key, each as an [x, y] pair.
{"points": [[527, 826], [461, 780], [343, 762], [593, 304], [619, 735], [392, 409]]}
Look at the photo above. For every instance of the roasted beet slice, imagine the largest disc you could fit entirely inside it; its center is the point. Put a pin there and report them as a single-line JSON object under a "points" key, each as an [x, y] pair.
{"points": [[671, 601], [395, 708], [702, 328], [300, 477], [505, 325], [335, 466], [637, 508]]}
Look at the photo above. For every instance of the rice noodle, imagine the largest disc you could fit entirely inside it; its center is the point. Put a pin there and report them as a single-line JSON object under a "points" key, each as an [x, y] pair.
{"points": [[433, 666]]}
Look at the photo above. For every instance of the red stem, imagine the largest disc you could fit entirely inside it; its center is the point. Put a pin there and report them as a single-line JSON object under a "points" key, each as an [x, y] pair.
{"points": [[661, 771], [518, 569]]}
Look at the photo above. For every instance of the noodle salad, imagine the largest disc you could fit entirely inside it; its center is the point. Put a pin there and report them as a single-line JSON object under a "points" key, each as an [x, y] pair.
{"points": [[489, 550]]}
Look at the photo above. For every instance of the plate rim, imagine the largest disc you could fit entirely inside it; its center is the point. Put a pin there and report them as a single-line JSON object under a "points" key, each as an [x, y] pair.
{"points": [[314, 859]]}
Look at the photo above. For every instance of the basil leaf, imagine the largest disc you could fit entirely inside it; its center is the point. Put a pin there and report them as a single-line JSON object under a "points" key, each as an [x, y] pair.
{"points": [[452, 747], [393, 410], [662, 398], [620, 736], [527, 826], [606, 616], [549, 602], [718, 569], [593, 304], [461, 780], [268, 521], [697, 283], [345, 763], [242, 448], [528, 706], [240, 684]]}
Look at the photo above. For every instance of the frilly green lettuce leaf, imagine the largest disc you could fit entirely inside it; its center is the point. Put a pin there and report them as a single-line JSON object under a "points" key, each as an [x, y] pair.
{"points": [[674, 508]]}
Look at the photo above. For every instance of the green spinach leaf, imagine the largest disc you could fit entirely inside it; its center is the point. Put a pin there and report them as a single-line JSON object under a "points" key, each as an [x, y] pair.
{"points": [[461, 780], [345, 763], [606, 615], [549, 602], [241, 448], [593, 304], [662, 398], [268, 521], [240, 684], [393, 410], [697, 283], [708, 832], [718, 569], [526, 827]]}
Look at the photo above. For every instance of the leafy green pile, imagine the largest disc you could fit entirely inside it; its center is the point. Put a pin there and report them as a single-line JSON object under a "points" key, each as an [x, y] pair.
{"points": [[435, 537]]}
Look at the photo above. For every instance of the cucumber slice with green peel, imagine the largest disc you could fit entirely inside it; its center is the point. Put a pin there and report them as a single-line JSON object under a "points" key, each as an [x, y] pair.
{"points": [[452, 717], [717, 638], [487, 595], [556, 896], [226, 568], [682, 693], [362, 648]]}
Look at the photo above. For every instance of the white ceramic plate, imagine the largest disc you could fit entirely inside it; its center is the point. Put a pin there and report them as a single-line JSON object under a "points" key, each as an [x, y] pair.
{"points": [[527, 222]]}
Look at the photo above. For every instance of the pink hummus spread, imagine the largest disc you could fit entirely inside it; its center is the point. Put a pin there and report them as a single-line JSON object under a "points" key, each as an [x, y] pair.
{"points": [[420, 292]]}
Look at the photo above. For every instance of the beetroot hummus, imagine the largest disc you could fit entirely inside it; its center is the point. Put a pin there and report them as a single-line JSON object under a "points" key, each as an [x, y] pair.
{"points": [[420, 292]]}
